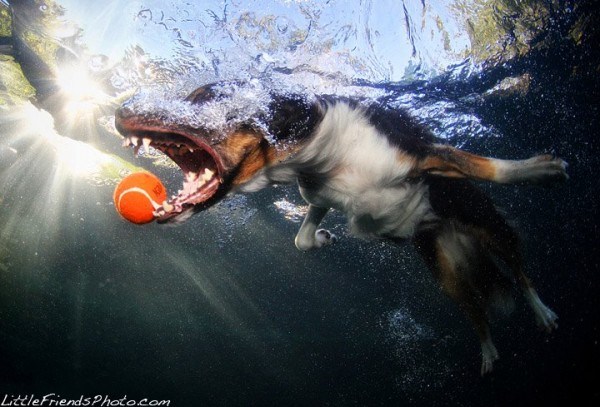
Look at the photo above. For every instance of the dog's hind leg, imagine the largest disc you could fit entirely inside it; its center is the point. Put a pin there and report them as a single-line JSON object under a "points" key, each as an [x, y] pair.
{"points": [[309, 237], [461, 201], [467, 275], [504, 243], [448, 161]]}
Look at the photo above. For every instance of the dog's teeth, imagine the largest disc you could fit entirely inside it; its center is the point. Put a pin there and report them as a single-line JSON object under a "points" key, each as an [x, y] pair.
{"points": [[134, 140], [146, 142], [208, 174], [126, 142], [191, 176], [191, 149], [167, 206]]}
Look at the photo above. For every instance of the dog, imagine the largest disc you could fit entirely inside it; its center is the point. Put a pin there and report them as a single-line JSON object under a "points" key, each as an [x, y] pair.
{"points": [[376, 164]]}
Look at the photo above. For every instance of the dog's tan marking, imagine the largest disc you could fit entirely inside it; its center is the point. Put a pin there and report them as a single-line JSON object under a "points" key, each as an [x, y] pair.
{"points": [[410, 161], [446, 274], [450, 162], [244, 154]]}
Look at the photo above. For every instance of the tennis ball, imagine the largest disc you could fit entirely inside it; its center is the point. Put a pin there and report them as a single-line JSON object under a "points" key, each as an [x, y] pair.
{"points": [[138, 195]]}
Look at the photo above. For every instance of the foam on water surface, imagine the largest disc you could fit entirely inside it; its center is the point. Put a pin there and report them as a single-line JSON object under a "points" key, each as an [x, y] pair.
{"points": [[233, 104]]}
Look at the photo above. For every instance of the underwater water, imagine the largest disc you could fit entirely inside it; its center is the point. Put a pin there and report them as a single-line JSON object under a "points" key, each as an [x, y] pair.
{"points": [[223, 309]]}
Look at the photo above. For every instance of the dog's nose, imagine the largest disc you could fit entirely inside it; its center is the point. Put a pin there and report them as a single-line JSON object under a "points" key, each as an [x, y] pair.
{"points": [[123, 112]]}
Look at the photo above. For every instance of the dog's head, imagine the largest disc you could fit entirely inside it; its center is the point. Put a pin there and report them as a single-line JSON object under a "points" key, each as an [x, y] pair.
{"points": [[220, 136]]}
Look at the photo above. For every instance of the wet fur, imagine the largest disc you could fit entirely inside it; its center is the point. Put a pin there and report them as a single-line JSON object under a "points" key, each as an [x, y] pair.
{"points": [[386, 173]]}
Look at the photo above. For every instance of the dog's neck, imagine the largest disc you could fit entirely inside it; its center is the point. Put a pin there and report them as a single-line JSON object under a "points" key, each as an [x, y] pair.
{"points": [[292, 119]]}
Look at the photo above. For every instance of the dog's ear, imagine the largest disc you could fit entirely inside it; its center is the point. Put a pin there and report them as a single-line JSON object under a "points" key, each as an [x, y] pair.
{"points": [[292, 117]]}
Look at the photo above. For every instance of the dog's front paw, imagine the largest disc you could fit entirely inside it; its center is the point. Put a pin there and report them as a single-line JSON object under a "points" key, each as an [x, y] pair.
{"points": [[324, 238], [546, 169], [542, 170], [319, 239]]}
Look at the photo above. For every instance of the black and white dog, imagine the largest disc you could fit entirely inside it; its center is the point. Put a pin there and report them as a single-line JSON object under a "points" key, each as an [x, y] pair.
{"points": [[375, 164]]}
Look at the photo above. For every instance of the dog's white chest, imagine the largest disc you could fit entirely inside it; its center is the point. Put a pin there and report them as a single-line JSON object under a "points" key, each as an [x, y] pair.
{"points": [[349, 166]]}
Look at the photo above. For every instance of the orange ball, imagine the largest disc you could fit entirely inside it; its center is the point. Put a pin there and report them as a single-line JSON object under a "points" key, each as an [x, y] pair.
{"points": [[138, 195]]}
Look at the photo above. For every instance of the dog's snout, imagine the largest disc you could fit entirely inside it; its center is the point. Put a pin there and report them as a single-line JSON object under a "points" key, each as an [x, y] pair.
{"points": [[123, 112]]}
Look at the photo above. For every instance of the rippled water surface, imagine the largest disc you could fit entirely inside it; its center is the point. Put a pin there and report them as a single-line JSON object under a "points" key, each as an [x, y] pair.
{"points": [[224, 310]]}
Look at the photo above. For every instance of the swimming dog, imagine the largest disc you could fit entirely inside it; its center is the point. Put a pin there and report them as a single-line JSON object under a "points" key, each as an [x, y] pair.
{"points": [[377, 165]]}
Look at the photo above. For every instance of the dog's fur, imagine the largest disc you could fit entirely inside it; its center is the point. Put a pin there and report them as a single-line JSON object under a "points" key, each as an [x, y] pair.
{"points": [[381, 169]]}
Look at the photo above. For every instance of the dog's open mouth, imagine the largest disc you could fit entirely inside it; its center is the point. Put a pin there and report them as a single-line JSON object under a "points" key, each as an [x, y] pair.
{"points": [[200, 164]]}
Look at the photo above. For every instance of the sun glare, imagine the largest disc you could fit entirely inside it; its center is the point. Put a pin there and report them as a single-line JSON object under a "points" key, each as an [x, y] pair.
{"points": [[84, 93], [79, 158]]}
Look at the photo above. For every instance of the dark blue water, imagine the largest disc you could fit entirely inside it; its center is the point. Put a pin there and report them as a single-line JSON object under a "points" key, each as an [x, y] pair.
{"points": [[225, 311]]}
